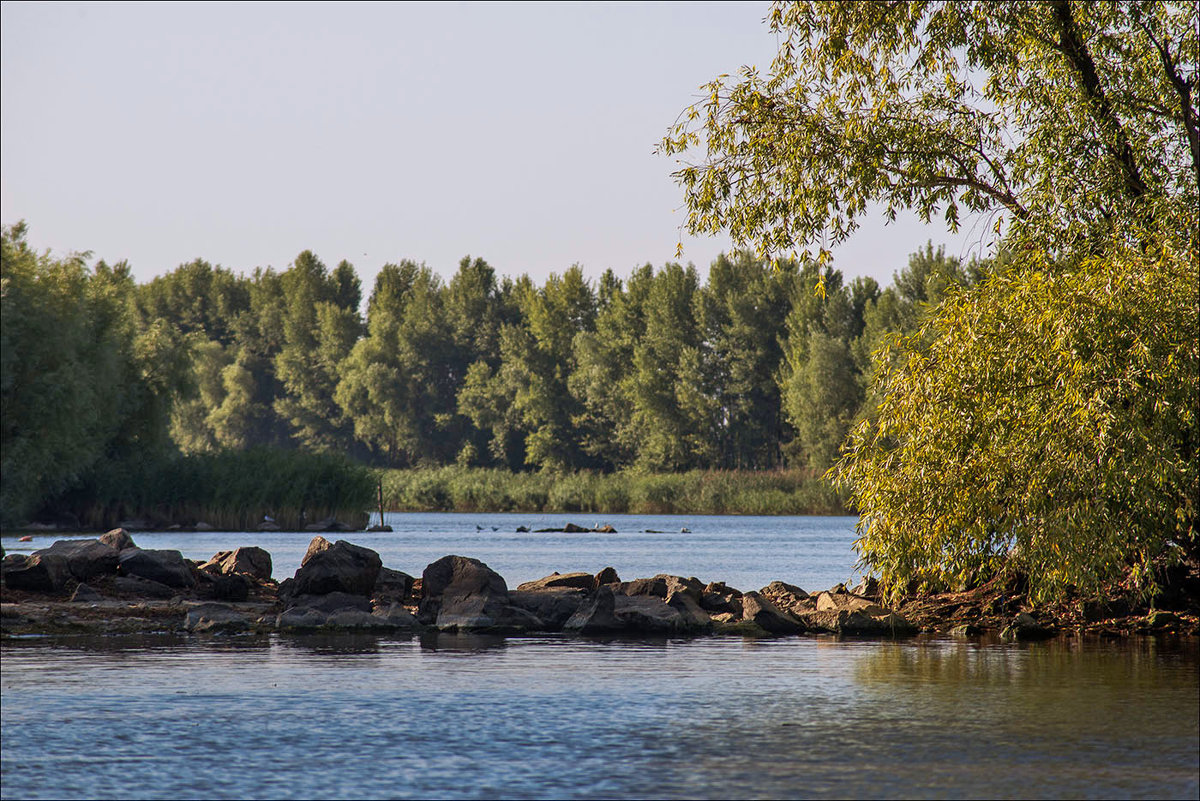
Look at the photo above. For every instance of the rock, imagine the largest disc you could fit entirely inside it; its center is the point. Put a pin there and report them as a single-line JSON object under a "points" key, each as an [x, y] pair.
{"points": [[694, 618], [269, 525], [202, 526], [85, 595], [1025, 627], [763, 613], [40, 571], [832, 602], [233, 587], [332, 602], [656, 587], [163, 566], [522, 529], [142, 588], [597, 615], [118, 538], [136, 524], [648, 614], [300, 619], [678, 585], [605, 529], [861, 623], [553, 606], [606, 576], [392, 585], [581, 581], [717, 598], [355, 619], [396, 617], [340, 567], [215, 618], [252, 561], [378, 528], [868, 588], [965, 630], [316, 546], [1159, 618], [462, 594]]}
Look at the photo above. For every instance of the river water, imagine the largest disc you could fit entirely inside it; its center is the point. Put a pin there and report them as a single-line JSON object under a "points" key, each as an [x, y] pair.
{"points": [[452, 716]]}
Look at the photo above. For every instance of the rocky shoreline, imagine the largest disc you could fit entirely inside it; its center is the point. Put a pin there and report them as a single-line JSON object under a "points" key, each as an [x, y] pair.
{"points": [[109, 585]]}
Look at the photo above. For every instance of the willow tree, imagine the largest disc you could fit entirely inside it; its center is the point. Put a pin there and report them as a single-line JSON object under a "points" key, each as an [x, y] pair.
{"points": [[1045, 417]]}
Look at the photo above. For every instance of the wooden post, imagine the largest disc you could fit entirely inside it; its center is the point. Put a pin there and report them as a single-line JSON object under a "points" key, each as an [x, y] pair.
{"points": [[381, 502]]}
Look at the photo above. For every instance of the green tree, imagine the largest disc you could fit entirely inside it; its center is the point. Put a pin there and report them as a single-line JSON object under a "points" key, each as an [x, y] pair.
{"points": [[1045, 417], [1062, 120]]}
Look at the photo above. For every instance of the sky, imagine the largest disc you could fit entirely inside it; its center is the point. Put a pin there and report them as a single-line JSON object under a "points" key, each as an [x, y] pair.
{"points": [[245, 133]]}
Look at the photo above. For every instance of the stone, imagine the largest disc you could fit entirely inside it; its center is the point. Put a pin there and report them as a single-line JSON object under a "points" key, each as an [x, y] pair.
{"points": [[37, 572], [142, 587], [1025, 627], [215, 618], [233, 587], [648, 614], [763, 613], [463, 594], [392, 585], [340, 567], [164, 566], [354, 619], [300, 619], [553, 606], [251, 561], [332, 602], [694, 618], [484, 614], [582, 581], [678, 585], [85, 595], [717, 598], [965, 630], [597, 616], [118, 538], [396, 617], [656, 586], [606, 576], [861, 623]]}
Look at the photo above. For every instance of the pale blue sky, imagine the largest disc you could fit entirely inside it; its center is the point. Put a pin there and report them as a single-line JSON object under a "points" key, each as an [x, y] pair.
{"points": [[245, 133]]}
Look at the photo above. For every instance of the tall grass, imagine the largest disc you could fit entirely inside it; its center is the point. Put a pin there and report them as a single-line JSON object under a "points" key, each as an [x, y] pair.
{"points": [[228, 490], [786, 492]]}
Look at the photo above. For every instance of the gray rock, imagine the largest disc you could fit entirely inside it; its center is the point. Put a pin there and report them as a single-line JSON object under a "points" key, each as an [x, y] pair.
{"points": [[606, 576], [392, 585], [763, 613], [656, 587], [648, 614], [553, 606], [1025, 627], [331, 602], [118, 538], [581, 581], [163, 566], [143, 588], [341, 567], [86, 559], [695, 619], [863, 623], [480, 613], [234, 587], [300, 619], [37, 572], [397, 617], [458, 577], [251, 561], [355, 619], [85, 594], [597, 616], [215, 618]]}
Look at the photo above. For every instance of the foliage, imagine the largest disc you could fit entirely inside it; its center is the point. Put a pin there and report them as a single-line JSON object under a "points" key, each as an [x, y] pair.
{"points": [[1049, 419]]}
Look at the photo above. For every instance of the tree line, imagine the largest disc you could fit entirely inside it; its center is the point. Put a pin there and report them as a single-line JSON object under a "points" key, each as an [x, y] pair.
{"points": [[753, 368]]}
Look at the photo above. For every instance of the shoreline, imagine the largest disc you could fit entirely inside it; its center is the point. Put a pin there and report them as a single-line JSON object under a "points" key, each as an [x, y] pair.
{"points": [[110, 586]]}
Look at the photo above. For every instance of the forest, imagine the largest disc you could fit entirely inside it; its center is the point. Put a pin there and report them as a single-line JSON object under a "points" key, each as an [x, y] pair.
{"points": [[657, 372]]}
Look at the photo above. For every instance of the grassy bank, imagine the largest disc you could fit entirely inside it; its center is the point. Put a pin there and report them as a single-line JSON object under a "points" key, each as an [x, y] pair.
{"points": [[230, 491], [788, 492]]}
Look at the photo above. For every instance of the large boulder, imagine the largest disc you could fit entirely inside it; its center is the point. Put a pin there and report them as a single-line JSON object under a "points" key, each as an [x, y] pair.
{"points": [[165, 567], [463, 594], [340, 567], [37, 572], [598, 615], [767, 616], [86, 559], [553, 606], [788, 597], [250, 561]]}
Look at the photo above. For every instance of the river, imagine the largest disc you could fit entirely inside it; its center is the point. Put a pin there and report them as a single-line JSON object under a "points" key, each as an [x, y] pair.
{"points": [[453, 716]]}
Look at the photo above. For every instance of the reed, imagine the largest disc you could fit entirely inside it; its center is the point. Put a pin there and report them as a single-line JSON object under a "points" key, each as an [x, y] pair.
{"points": [[776, 492], [226, 490]]}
